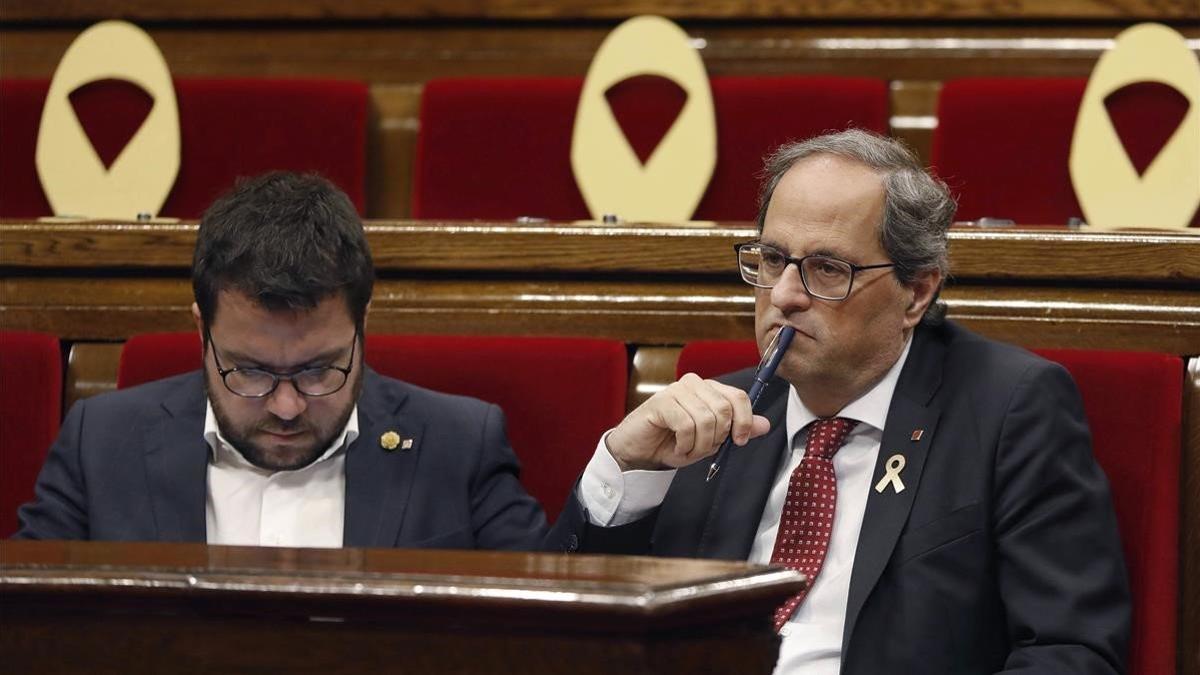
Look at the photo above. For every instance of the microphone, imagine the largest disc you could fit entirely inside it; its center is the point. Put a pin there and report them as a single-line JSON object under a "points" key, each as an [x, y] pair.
{"points": [[765, 371]]}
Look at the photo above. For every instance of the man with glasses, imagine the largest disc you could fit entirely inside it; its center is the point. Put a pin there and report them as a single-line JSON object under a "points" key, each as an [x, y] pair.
{"points": [[285, 437], [936, 488]]}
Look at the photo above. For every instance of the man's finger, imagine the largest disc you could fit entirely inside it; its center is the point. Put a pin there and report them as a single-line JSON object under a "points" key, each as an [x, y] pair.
{"points": [[705, 419]]}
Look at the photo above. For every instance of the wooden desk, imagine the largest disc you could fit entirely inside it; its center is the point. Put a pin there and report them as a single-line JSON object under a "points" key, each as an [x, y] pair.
{"points": [[644, 284], [183, 608]]}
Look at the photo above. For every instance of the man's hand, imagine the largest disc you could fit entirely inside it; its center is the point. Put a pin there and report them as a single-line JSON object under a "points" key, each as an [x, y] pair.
{"points": [[683, 424]]}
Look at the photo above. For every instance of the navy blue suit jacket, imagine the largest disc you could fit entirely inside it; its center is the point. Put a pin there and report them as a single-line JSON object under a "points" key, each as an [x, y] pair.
{"points": [[1001, 554], [131, 466]]}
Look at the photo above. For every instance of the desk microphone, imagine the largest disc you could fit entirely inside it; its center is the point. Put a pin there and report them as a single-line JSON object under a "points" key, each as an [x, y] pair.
{"points": [[765, 371]]}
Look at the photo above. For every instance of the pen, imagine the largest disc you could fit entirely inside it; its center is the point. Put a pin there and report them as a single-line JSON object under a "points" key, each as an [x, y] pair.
{"points": [[765, 371]]}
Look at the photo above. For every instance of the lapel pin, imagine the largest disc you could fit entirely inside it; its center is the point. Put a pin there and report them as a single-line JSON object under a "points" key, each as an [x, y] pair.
{"points": [[916, 435], [390, 440], [407, 444], [895, 465]]}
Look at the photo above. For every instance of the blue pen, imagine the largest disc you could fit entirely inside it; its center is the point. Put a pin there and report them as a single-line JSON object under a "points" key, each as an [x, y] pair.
{"points": [[765, 371]]}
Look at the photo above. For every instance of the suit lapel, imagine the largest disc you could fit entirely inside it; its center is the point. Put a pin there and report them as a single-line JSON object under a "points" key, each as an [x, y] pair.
{"points": [[887, 511], [379, 480], [740, 491], [177, 463]]}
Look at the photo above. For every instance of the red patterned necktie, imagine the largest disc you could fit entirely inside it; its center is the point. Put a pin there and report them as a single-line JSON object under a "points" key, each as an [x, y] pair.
{"points": [[807, 520]]}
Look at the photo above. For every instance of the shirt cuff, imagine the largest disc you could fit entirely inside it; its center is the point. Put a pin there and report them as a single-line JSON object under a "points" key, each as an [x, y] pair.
{"points": [[613, 497]]}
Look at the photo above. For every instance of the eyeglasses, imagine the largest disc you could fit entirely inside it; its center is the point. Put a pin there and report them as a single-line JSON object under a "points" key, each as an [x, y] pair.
{"points": [[823, 276], [260, 382]]}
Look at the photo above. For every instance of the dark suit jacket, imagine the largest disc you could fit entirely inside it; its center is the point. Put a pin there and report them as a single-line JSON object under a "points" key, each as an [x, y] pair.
{"points": [[131, 466], [1002, 553]]}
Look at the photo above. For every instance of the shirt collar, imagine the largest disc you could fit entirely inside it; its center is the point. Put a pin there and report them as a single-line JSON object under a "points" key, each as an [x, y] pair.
{"points": [[870, 409], [224, 453]]}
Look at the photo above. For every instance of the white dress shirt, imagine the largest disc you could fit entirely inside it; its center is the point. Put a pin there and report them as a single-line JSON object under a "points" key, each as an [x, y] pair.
{"points": [[249, 506], [812, 638]]}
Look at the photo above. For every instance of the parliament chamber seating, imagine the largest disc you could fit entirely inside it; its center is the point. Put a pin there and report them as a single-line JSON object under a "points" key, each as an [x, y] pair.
{"points": [[558, 394], [228, 128], [30, 407], [1003, 144], [500, 148], [1133, 405]]}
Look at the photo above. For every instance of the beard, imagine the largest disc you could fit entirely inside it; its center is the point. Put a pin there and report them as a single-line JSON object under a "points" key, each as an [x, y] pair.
{"points": [[260, 453]]}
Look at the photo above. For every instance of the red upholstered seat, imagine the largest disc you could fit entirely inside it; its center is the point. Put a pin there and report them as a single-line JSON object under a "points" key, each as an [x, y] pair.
{"points": [[229, 128], [1134, 405], [1003, 144], [153, 356], [559, 394], [30, 409], [500, 148], [1133, 402]]}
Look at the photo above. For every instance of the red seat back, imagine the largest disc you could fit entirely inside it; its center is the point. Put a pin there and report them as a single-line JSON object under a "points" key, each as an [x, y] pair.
{"points": [[228, 129], [153, 356], [1134, 405], [559, 394], [1003, 144], [1133, 402], [500, 148], [30, 410]]}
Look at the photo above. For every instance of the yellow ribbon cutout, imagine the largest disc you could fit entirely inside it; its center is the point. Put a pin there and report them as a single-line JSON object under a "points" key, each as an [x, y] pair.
{"points": [[895, 465], [1110, 191], [612, 179], [73, 177]]}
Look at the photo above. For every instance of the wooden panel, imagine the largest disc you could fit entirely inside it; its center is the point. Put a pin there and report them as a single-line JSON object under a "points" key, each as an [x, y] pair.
{"points": [[363, 610], [666, 313], [233, 10], [91, 370], [385, 53], [1189, 629], [1160, 257], [653, 369], [642, 284], [391, 149], [914, 114]]}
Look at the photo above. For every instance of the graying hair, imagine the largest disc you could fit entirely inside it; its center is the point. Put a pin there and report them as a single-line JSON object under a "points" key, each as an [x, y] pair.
{"points": [[918, 208]]}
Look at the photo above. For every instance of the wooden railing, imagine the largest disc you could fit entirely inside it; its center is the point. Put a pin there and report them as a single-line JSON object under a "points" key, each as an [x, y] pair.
{"points": [[185, 608]]}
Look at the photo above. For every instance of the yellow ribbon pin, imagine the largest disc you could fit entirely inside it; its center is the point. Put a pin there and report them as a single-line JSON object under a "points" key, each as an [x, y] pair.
{"points": [[895, 465]]}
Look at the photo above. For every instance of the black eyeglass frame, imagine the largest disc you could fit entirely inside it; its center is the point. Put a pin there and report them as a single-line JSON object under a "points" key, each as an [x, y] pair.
{"points": [[799, 263], [277, 377]]}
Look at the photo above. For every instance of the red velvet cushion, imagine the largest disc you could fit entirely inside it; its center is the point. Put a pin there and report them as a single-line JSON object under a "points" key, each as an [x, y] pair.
{"points": [[153, 356], [501, 147], [30, 408], [1133, 403], [710, 358], [1003, 144], [559, 394], [229, 128]]}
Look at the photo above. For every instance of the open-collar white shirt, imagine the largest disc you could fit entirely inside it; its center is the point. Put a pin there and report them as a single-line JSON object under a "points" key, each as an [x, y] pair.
{"points": [[249, 506], [812, 638]]}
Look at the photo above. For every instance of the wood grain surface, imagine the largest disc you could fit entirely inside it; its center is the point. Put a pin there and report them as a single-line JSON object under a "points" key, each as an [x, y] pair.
{"points": [[314, 10], [359, 610], [1161, 257]]}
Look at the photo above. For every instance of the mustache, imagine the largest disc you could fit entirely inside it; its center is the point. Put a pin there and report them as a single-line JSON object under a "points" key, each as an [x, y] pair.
{"points": [[282, 426]]}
